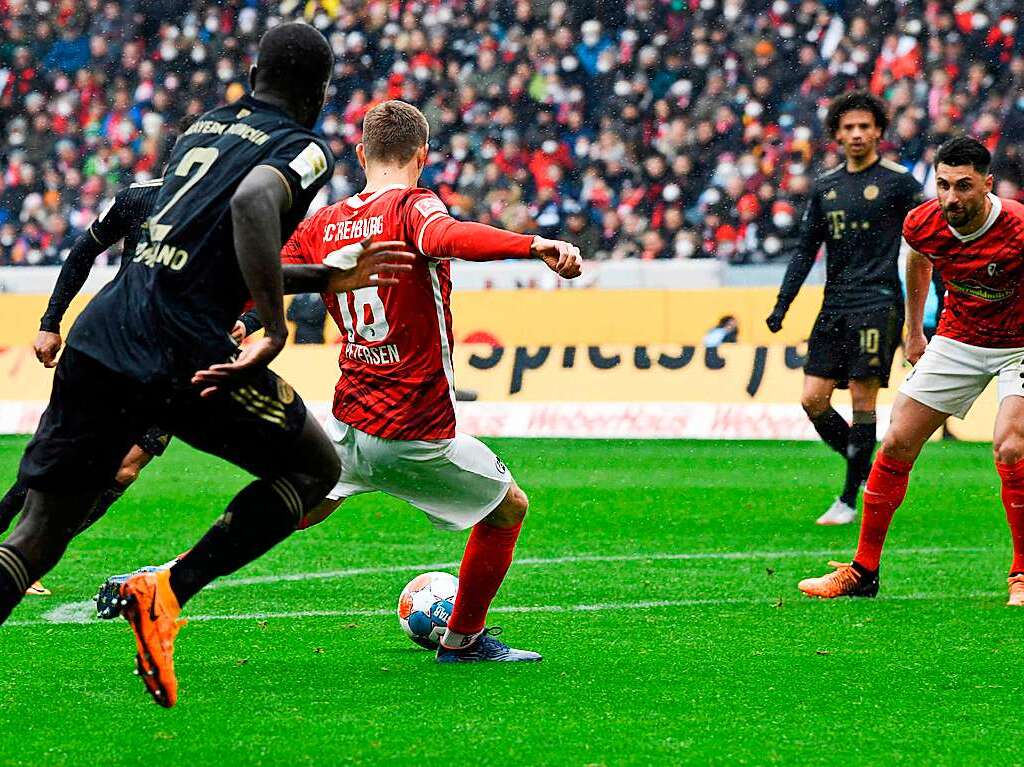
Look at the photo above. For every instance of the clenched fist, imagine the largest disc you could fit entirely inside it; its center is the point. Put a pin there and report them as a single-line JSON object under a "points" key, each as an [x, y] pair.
{"points": [[563, 258]]}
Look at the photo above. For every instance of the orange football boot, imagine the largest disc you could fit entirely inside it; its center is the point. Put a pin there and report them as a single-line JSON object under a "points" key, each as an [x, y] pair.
{"points": [[152, 610], [844, 581], [1016, 590]]}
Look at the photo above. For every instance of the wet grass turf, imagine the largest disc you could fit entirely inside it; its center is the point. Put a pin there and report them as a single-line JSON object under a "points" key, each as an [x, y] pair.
{"points": [[650, 656]]}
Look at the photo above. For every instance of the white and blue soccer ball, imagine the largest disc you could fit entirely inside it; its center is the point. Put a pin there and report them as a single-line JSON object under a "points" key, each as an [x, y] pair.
{"points": [[426, 605]]}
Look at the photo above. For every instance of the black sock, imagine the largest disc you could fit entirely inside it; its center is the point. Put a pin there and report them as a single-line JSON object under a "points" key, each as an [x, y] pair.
{"points": [[14, 579], [261, 516], [863, 570], [859, 454], [12, 504], [102, 505], [833, 429]]}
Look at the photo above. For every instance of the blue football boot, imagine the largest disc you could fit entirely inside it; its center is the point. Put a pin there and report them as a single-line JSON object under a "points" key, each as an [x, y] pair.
{"points": [[109, 601], [486, 648]]}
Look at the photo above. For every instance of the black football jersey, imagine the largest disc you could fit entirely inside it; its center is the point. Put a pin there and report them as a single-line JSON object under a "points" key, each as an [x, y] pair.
{"points": [[122, 219], [859, 218], [169, 311]]}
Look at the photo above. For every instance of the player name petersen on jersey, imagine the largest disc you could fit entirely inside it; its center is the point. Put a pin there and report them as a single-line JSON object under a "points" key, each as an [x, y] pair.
{"points": [[983, 272]]}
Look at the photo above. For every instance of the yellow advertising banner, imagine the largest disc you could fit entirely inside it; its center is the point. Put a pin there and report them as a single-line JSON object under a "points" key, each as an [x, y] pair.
{"points": [[622, 363], [536, 317], [733, 392]]}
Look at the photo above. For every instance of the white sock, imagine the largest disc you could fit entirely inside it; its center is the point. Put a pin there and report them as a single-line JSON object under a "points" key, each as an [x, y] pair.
{"points": [[453, 641]]}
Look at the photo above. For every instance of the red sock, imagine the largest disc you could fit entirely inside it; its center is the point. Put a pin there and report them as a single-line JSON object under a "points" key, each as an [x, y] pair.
{"points": [[487, 559], [1013, 501], [885, 491]]}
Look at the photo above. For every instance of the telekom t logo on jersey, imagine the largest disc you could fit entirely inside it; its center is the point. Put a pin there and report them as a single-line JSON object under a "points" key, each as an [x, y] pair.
{"points": [[357, 229]]}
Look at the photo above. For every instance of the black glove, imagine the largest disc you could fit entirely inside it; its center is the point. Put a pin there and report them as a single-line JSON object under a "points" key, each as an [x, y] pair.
{"points": [[774, 320]]}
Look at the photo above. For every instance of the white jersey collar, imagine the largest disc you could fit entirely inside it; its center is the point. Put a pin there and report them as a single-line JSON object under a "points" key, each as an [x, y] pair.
{"points": [[355, 202], [997, 208]]}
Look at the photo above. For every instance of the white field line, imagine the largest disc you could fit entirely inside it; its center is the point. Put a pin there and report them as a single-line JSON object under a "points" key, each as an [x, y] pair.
{"points": [[83, 612], [577, 559]]}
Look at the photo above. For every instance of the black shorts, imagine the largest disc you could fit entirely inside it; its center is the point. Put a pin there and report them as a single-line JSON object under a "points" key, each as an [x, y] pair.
{"points": [[854, 346], [95, 415]]}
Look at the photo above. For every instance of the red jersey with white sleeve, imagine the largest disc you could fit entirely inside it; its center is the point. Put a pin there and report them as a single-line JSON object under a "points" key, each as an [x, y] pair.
{"points": [[396, 378], [983, 272]]}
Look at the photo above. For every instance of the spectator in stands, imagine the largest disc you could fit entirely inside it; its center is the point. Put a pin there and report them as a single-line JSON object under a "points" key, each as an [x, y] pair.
{"points": [[635, 110], [308, 312], [580, 230]]}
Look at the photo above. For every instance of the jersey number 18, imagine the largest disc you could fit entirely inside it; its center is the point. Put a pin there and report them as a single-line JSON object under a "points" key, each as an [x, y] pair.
{"points": [[377, 328]]}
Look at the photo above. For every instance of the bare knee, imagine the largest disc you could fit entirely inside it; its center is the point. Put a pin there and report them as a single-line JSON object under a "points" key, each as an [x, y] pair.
{"points": [[1009, 449], [511, 511], [899, 446], [126, 475], [132, 466], [815, 404]]}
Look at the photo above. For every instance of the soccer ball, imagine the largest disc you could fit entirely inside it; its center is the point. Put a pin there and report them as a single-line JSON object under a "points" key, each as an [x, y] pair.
{"points": [[425, 606]]}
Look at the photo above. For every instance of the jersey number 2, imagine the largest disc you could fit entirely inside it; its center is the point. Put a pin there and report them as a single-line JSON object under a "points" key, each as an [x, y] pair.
{"points": [[364, 299], [201, 157]]}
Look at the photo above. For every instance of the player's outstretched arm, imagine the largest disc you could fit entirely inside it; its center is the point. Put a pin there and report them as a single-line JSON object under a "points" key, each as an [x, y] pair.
{"points": [[919, 279], [812, 234], [445, 237], [256, 208], [73, 274]]}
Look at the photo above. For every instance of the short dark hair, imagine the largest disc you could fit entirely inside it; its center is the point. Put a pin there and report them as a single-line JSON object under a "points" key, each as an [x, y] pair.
{"points": [[294, 56], [964, 150], [855, 101], [393, 131]]}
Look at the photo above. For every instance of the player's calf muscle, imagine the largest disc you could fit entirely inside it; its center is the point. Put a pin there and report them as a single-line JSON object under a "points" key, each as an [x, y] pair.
{"points": [[48, 523], [864, 393]]}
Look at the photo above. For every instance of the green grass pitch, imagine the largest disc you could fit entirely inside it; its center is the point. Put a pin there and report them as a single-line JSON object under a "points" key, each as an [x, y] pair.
{"points": [[657, 578]]}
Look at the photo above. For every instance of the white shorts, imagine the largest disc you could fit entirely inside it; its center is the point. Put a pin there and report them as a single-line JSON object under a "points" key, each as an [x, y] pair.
{"points": [[455, 482], [951, 375]]}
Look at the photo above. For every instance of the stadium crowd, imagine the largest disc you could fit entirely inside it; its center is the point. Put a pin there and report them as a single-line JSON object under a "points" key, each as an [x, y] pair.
{"points": [[636, 128]]}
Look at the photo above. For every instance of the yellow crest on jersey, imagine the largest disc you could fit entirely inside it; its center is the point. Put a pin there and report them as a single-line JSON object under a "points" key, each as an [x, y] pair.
{"points": [[870, 192], [285, 393]]}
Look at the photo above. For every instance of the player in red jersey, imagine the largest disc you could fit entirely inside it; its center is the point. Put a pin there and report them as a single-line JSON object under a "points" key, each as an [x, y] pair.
{"points": [[393, 419], [976, 242]]}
